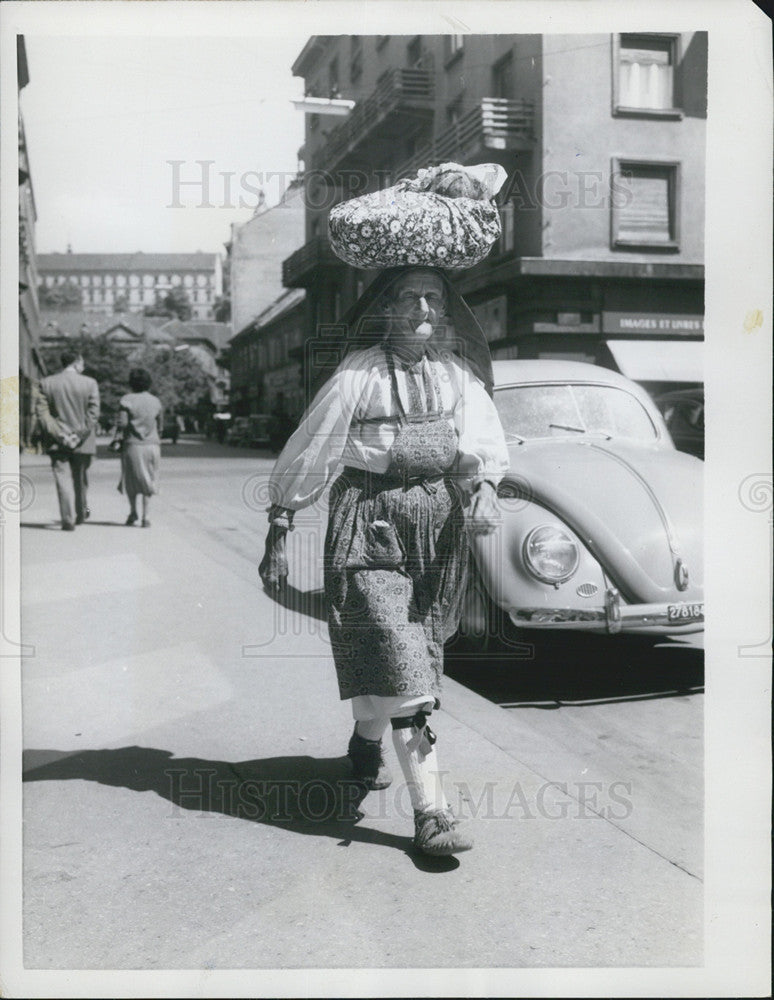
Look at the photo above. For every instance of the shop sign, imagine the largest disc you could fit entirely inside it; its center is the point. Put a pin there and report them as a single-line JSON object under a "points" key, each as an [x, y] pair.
{"points": [[681, 324]]}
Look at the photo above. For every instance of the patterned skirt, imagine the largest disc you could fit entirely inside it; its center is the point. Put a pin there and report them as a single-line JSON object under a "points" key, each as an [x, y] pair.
{"points": [[396, 561]]}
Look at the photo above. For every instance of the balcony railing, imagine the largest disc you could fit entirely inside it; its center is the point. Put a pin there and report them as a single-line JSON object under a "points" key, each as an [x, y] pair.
{"points": [[298, 270], [397, 89], [495, 123]]}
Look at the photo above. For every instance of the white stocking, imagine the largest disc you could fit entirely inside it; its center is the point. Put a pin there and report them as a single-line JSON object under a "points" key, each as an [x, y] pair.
{"points": [[372, 729], [418, 761]]}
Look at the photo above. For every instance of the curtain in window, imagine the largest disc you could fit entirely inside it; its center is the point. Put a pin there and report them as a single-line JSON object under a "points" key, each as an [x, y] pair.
{"points": [[646, 77]]}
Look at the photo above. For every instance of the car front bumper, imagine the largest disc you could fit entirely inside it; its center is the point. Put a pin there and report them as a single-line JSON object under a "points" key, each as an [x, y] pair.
{"points": [[613, 618]]}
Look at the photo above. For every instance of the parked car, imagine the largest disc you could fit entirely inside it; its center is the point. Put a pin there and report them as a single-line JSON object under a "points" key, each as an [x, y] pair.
{"points": [[238, 432], [602, 516], [171, 428], [259, 433], [683, 412]]}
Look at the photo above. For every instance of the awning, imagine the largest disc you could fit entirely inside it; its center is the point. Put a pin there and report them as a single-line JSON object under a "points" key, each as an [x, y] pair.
{"points": [[659, 360]]}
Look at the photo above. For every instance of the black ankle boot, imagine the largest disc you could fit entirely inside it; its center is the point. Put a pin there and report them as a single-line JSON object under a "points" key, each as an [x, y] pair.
{"points": [[368, 763]]}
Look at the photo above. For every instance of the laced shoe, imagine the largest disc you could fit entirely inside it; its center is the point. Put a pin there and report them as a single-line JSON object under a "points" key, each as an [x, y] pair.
{"points": [[437, 832], [368, 764]]}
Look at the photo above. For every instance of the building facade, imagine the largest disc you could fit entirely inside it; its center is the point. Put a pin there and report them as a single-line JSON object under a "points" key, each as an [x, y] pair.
{"points": [[255, 254], [266, 360], [134, 281], [603, 138], [31, 365]]}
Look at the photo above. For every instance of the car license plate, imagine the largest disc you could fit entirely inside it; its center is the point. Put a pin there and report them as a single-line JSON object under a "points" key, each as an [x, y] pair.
{"points": [[684, 614]]}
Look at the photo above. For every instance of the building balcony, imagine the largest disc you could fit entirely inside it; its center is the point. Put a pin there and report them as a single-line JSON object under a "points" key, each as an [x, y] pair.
{"points": [[378, 120], [495, 123], [300, 269]]}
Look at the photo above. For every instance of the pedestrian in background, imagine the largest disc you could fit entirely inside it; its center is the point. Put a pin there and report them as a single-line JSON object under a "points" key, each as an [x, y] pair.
{"points": [[140, 420], [67, 408]]}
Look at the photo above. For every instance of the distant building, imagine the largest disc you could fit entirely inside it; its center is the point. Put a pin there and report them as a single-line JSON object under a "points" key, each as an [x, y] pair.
{"points": [[135, 280], [603, 137], [31, 364], [255, 254], [266, 360]]}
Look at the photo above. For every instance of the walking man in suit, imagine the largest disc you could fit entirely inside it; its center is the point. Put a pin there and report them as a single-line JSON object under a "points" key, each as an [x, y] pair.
{"points": [[68, 409]]}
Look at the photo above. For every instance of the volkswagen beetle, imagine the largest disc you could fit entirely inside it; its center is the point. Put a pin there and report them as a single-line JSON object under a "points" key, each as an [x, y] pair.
{"points": [[602, 516]]}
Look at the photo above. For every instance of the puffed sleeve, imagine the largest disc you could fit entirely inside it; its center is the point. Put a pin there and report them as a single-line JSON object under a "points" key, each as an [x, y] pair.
{"points": [[310, 458], [481, 448]]}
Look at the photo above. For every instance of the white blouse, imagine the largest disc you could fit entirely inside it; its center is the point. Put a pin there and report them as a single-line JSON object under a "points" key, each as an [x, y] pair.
{"points": [[330, 432]]}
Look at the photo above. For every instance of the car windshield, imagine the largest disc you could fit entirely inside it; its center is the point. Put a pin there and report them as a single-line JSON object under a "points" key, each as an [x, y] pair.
{"points": [[537, 411]]}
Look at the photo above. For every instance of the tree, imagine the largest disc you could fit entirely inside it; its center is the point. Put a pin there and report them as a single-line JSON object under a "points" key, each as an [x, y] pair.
{"points": [[67, 295], [179, 303], [221, 309], [178, 379], [104, 361], [175, 303]]}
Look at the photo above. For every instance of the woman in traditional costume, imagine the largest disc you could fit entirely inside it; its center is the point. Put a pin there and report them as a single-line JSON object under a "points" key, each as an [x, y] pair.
{"points": [[409, 415]]}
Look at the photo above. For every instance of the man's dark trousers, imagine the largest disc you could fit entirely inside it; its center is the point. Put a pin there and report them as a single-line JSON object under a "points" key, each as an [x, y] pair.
{"points": [[70, 476]]}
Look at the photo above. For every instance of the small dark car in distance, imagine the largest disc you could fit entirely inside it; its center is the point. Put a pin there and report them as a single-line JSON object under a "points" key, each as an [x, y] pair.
{"points": [[683, 412]]}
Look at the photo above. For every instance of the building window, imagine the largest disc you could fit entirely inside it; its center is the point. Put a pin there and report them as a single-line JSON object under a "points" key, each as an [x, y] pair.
{"points": [[452, 48], [84, 280], [333, 79], [134, 280], [644, 74], [506, 222], [502, 78], [645, 205], [109, 280], [121, 280], [355, 57], [414, 52], [454, 110], [188, 280]]}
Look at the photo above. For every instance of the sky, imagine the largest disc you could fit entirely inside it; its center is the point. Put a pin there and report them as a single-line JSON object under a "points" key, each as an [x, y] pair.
{"points": [[104, 118]]}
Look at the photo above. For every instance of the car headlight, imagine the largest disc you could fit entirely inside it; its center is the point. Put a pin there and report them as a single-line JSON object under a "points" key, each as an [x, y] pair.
{"points": [[550, 554]]}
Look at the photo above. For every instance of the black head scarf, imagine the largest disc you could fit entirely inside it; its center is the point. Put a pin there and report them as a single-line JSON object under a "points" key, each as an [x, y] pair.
{"points": [[459, 332]]}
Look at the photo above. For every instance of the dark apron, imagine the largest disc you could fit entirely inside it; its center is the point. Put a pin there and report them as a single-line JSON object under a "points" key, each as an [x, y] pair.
{"points": [[396, 558]]}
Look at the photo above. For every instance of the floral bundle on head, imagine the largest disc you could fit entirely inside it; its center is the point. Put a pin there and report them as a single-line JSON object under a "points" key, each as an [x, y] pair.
{"points": [[443, 217]]}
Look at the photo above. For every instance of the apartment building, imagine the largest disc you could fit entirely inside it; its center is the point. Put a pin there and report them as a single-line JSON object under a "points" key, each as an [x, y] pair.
{"points": [[31, 364], [603, 137], [136, 280]]}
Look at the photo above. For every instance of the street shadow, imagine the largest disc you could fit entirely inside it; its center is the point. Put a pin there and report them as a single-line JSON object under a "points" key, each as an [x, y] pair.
{"points": [[305, 795], [195, 448], [305, 602], [580, 669], [55, 526]]}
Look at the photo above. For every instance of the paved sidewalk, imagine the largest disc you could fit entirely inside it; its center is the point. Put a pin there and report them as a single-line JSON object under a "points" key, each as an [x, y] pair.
{"points": [[179, 789]]}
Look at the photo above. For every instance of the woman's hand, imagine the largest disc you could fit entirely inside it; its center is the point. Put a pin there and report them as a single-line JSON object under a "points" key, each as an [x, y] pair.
{"points": [[273, 568], [484, 515]]}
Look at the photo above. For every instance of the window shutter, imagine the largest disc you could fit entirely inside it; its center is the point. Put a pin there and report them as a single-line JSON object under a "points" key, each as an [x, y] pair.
{"points": [[646, 215]]}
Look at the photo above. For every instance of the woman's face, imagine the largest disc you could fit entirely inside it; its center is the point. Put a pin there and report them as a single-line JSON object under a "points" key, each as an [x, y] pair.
{"points": [[417, 304]]}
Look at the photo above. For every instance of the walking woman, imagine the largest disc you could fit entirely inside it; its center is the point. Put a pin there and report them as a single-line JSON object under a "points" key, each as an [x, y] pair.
{"points": [[138, 435], [412, 421]]}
